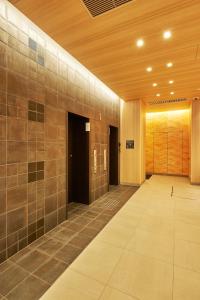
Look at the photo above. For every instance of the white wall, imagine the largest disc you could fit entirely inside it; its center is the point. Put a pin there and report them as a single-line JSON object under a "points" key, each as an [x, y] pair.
{"points": [[132, 161]]}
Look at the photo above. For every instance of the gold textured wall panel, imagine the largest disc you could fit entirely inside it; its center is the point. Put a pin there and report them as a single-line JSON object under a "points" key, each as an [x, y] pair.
{"points": [[167, 142]]}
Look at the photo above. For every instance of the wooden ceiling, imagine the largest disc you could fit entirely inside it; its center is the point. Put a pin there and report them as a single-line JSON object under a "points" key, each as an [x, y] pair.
{"points": [[106, 44]]}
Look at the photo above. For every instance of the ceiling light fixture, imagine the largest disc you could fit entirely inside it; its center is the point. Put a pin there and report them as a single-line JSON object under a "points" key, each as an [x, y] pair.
{"points": [[154, 84], [171, 81], [172, 93], [140, 43], [158, 95], [167, 34], [149, 69], [169, 64]]}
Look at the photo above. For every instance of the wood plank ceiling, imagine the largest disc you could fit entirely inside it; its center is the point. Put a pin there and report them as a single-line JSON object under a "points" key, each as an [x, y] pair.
{"points": [[106, 44]]}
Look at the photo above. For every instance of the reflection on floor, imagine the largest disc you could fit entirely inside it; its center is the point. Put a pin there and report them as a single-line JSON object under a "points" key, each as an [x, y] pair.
{"points": [[29, 273], [150, 250]]}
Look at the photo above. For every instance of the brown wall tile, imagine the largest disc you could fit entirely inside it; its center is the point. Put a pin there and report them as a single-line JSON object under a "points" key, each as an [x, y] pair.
{"points": [[17, 129], [16, 219], [16, 197], [16, 152]]}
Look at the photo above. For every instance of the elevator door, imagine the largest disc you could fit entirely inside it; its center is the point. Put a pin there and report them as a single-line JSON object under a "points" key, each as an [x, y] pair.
{"points": [[113, 156], [78, 159]]}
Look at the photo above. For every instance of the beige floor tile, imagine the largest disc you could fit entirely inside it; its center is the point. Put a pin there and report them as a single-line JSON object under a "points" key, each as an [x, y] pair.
{"points": [[97, 261], [152, 245], [187, 204], [187, 255], [74, 286], [142, 277], [160, 211], [116, 234], [157, 224], [188, 232], [187, 216], [113, 294], [186, 285]]}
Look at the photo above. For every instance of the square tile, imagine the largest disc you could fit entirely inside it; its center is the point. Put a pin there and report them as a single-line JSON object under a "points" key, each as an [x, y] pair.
{"points": [[11, 278], [30, 289], [51, 270], [50, 246], [97, 261], [143, 277], [68, 253], [113, 294], [188, 232], [186, 285], [152, 245], [187, 255], [33, 260], [72, 285]]}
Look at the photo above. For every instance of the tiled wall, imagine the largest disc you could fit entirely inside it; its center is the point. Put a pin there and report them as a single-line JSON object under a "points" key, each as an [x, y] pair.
{"points": [[167, 143], [39, 83]]}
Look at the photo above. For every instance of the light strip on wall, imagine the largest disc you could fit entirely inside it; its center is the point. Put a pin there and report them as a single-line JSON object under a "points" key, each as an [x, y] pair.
{"points": [[18, 19], [170, 112]]}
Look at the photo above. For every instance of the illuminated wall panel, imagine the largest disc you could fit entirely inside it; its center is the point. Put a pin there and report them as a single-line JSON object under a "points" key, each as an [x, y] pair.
{"points": [[167, 142]]}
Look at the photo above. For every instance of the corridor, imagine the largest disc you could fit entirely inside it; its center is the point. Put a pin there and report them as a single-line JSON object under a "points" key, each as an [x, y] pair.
{"points": [[148, 251]]}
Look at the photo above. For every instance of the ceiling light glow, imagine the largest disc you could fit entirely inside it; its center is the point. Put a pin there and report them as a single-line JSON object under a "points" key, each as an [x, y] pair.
{"points": [[158, 95], [169, 64], [154, 84], [140, 43], [172, 93], [171, 81], [167, 34], [149, 69]]}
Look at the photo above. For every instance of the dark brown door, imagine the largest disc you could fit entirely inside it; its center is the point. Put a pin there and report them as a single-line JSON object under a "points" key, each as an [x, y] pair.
{"points": [[78, 159], [113, 156]]}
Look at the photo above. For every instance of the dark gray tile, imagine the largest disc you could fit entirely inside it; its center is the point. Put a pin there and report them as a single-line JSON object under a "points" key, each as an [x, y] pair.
{"points": [[64, 235], [74, 226], [68, 253], [10, 278], [5, 265], [21, 254], [32, 44], [51, 246], [51, 270], [33, 260], [30, 289], [81, 240], [83, 220], [91, 232]]}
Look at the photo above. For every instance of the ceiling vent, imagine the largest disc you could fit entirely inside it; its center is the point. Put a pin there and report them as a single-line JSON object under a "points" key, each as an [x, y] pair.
{"points": [[98, 7], [166, 101]]}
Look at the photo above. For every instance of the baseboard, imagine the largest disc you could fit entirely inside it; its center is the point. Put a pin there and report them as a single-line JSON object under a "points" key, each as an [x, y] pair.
{"points": [[194, 183], [131, 184]]}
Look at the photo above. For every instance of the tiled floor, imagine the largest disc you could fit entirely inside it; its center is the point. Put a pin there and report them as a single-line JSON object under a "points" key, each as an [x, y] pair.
{"points": [[29, 273], [150, 250]]}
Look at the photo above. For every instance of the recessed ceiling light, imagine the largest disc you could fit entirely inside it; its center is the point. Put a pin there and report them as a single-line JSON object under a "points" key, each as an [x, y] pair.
{"points": [[167, 34], [172, 93], [158, 95], [149, 69], [140, 43], [154, 84], [171, 81], [169, 64]]}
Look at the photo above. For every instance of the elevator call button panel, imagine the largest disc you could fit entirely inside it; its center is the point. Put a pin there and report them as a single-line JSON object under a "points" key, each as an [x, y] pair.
{"points": [[129, 144]]}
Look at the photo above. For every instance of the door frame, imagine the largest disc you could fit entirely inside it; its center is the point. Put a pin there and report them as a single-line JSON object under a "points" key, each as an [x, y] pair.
{"points": [[67, 157], [118, 154]]}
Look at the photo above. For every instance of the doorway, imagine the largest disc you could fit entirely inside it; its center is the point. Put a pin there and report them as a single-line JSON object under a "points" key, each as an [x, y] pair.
{"points": [[113, 156], [78, 159]]}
